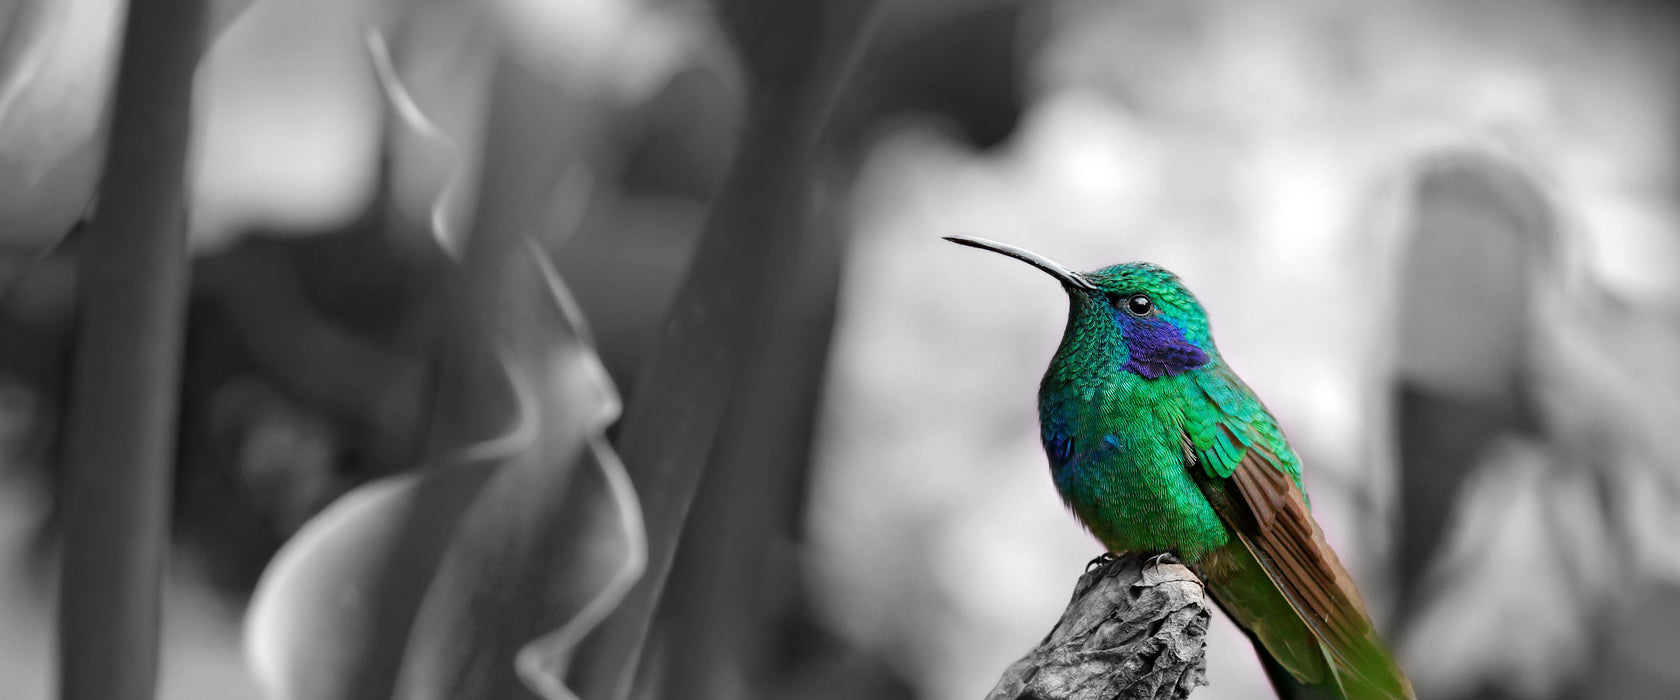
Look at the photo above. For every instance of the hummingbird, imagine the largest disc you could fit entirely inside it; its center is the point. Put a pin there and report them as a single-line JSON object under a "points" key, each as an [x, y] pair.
{"points": [[1160, 449]]}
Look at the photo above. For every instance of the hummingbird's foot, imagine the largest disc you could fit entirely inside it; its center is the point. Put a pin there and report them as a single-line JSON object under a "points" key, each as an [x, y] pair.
{"points": [[1100, 561], [1164, 557]]}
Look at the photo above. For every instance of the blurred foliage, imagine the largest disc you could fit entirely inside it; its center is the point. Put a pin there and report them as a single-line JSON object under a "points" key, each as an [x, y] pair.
{"points": [[538, 557], [323, 364], [56, 61]]}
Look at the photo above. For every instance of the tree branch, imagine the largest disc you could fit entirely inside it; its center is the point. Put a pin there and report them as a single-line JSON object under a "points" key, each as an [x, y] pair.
{"points": [[1133, 630]]}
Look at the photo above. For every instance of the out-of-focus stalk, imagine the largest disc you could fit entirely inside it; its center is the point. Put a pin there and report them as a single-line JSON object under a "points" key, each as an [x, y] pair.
{"points": [[120, 437], [800, 60], [733, 584]]}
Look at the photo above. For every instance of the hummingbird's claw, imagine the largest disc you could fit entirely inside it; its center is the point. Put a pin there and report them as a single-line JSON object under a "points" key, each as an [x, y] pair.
{"points": [[1167, 557], [1101, 560]]}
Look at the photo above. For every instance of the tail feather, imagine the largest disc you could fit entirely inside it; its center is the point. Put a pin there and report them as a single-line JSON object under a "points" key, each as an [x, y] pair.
{"points": [[1284, 682], [1298, 662]]}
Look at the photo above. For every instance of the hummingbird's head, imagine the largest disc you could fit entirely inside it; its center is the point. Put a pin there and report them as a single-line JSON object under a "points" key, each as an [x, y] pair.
{"points": [[1135, 316]]}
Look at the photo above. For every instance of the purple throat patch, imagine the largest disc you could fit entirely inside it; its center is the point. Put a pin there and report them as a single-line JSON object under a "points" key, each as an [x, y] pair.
{"points": [[1157, 347]]}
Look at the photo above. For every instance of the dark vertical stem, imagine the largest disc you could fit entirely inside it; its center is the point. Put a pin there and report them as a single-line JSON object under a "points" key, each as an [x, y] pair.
{"points": [[802, 58], [680, 398], [727, 590], [119, 441]]}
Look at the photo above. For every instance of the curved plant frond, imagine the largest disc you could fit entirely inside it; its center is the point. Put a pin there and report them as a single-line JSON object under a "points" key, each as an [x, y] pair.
{"points": [[410, 116], [541, 544], [554, 540], [543, 554]]}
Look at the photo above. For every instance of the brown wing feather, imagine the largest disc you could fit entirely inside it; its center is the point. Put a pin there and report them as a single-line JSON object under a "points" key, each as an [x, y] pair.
{"points": [[1289, 543], [1270, 515], [1264, 499]]}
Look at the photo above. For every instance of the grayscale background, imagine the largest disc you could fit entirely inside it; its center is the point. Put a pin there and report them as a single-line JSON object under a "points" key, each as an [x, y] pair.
{"points": [[436, 321]]}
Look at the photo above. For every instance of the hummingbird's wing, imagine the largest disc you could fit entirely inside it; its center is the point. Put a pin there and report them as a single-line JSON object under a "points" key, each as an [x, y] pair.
{"points": [[1252, 478]]}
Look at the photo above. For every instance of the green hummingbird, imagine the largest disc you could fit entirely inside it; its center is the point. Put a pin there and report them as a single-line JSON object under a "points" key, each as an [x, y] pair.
{"points": [[1159, 448]]}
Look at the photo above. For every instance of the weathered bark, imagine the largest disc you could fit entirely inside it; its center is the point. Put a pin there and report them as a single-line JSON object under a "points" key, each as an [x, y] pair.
{"points": [[1134, 630]]}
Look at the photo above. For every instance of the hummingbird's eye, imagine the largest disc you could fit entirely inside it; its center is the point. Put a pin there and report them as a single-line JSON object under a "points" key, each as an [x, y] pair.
{"points": [[1139, 305]]}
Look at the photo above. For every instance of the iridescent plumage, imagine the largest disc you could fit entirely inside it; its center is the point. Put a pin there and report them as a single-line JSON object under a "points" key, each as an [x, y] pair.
{"points": [[1158, 447]]}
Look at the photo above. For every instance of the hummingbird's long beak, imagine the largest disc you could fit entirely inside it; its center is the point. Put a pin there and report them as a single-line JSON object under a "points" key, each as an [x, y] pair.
{"points": [[1055, 269]]}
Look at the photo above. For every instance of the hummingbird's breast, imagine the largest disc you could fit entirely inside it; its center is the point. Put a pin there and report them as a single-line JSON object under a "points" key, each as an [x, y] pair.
{"points": [[1117, 458]]}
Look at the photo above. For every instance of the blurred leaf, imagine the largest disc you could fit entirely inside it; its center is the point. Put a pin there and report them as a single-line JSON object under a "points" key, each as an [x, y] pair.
{"points": [[56, 67], [602, 58], [554, 540], [436, 84], [546, 549], [1481, 233], [801, 61], [731, 616], [732, 625], [524, 159], [490, 567], [56, 61], [1501, 607], [430, 136], [312, 609]]}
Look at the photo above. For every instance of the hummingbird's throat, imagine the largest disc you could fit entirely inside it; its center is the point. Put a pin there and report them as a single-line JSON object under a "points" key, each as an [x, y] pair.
{"points": [[1156, 347]]}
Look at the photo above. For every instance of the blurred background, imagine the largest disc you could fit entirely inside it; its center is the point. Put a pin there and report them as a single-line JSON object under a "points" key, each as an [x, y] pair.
{"points": [[463, 274]]}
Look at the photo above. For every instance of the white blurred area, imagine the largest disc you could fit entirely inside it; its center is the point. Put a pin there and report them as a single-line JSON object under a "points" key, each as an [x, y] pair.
{"points": [[291, 112], [1263, 152], [288, 120]]}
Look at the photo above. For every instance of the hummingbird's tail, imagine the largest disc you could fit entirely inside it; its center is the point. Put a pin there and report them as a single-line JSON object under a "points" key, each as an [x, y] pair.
{"points": [[1287, 686], [1299, 658]]}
